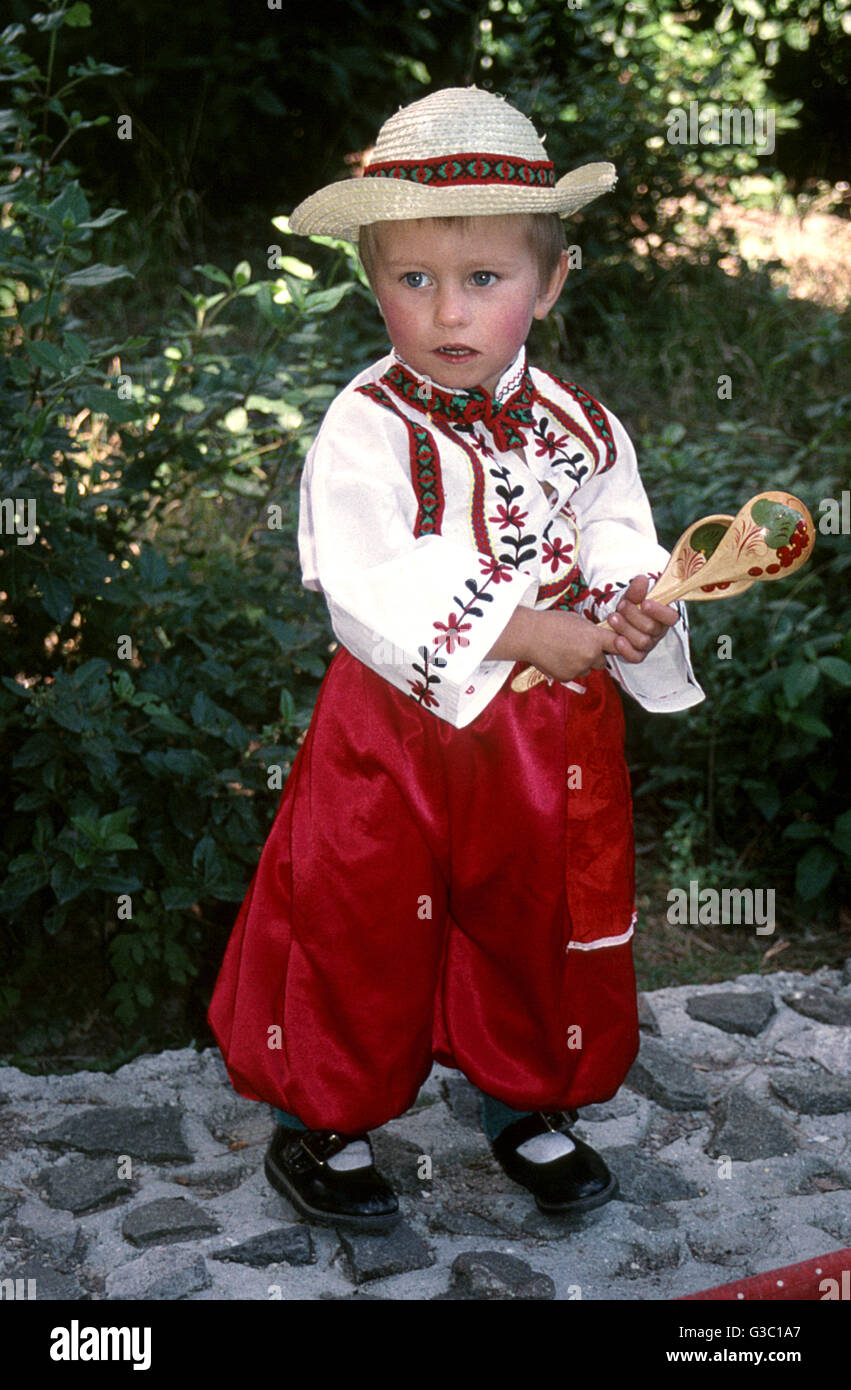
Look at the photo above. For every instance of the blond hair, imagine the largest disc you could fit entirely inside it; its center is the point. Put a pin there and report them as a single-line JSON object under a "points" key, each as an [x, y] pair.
{"points": [[544, 230]]}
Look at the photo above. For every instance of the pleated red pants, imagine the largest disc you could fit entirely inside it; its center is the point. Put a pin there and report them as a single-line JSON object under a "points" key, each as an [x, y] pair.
{"points": [[431, 893]]}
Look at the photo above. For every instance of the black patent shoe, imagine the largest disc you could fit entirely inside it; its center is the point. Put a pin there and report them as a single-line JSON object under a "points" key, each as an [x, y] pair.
{"points": [[355, 1200], [579, 1181]]}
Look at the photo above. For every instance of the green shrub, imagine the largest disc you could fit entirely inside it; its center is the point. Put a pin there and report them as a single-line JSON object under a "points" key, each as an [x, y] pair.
{"points": [[162, 657]]}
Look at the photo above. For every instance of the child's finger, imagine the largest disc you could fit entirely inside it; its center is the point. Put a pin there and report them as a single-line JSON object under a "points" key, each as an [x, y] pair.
{"points": [[636, 589], [630, 620], [660, 612]]}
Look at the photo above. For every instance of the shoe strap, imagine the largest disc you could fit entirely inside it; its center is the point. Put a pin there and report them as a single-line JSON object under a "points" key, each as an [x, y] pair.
{"points": [[322, 1144], [554, 1121]]}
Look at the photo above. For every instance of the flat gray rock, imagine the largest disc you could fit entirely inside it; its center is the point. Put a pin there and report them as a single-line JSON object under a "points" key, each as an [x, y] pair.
{"points": [[647, 1020], [167, 1220], [488, 1274], [642, 1258], [813, 1093], [292, 1245], [821, 1005], [734, 1013], [745, 1129], [164, 1277], [151, 1133], [644, 1180], [730, 1240], [50, 1285], [398, 1159], [61, 1246], [654, 1218], [825, 1179], [463, 1100], [661, 1076], [377, 1256], [8, 1202], [84, 1184], [456, 1221]]}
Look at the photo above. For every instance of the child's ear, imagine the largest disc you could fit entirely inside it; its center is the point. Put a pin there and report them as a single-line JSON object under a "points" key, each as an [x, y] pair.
{"points": [[547, 298]]}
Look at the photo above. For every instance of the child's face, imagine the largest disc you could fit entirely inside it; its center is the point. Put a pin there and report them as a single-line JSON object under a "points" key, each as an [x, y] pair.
{"points": [[459, 300]]}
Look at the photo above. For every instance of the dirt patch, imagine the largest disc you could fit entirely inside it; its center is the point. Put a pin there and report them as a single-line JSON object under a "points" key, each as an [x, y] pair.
{"points": [[812, 245]]}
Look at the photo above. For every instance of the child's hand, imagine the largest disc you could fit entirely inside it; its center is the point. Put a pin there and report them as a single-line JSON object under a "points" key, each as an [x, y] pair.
{"points": [[566, 646], [640, 623]]}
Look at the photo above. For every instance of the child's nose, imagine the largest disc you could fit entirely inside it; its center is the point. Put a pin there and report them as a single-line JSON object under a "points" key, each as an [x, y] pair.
{"points": [[451, 307]]}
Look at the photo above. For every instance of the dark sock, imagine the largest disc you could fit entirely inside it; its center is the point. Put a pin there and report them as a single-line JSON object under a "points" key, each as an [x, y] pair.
{"points": [[496, 1117], [288, 1121]]}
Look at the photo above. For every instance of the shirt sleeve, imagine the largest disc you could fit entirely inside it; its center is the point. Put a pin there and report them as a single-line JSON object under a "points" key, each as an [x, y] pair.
{"points": [[617, 541], [423, 612]]}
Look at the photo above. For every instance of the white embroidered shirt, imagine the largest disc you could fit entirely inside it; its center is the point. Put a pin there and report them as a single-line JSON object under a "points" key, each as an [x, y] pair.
{"points": [[428, 516]]}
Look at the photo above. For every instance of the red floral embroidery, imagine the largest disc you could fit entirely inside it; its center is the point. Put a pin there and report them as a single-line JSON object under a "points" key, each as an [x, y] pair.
{"points": [[483, 447], [549, 445], [423, 695], [508, 516], [494, 570], [556, 552], [453, 629]]}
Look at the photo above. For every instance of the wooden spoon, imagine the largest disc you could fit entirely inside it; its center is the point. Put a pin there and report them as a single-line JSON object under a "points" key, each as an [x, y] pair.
{"points": [[719, 556]]}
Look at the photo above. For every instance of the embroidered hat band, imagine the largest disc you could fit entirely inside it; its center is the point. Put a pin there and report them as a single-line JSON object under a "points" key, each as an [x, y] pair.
{"points": [[458, 152]]}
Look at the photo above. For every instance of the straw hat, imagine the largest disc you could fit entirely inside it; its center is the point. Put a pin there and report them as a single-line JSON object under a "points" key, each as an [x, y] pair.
{"points": [[458, 151]]}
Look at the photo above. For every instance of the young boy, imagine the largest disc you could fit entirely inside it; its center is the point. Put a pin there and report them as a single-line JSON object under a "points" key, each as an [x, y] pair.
{"points": [[450, 871]]}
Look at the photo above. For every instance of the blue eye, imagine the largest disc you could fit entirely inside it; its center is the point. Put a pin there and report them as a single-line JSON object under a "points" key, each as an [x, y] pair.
{"points": [[415, 279], [483, 278]]}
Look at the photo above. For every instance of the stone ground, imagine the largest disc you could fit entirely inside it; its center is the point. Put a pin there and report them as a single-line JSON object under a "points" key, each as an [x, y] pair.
{"points": [[730, 1140]]}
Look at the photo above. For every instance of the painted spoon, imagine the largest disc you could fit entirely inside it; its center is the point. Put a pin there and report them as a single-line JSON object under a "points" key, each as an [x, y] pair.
{"points": [[719, 556]]}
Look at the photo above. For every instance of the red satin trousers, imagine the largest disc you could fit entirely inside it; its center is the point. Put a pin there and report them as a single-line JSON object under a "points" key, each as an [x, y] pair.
{"points": [[431, 893]]}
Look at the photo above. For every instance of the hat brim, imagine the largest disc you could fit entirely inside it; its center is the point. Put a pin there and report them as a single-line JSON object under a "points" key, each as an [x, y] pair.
{"points": [[341, 209]]}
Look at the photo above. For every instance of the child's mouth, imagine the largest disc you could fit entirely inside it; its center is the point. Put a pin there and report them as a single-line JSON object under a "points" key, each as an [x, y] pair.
{"points": [[456, 353]]}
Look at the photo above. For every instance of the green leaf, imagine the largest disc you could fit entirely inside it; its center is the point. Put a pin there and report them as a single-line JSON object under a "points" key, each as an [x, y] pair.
{"points": [[109, 403], [810, 724], [106, 217], [321, 301], [97, 274], [180, 896], [803, 830], [46, 355], [837, 669], [16, 889], [56, 597], [213, 272], [162, 718], [91, 68], [814, 872], [288, 417], [118, 841], [799, 681], [292, 266], [841, 836], [66, 882], [765, 797], [79, 16]]}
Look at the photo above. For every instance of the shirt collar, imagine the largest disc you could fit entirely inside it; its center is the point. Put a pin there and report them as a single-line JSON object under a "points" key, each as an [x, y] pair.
{"points": [[507, 384], [504, 418]]}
